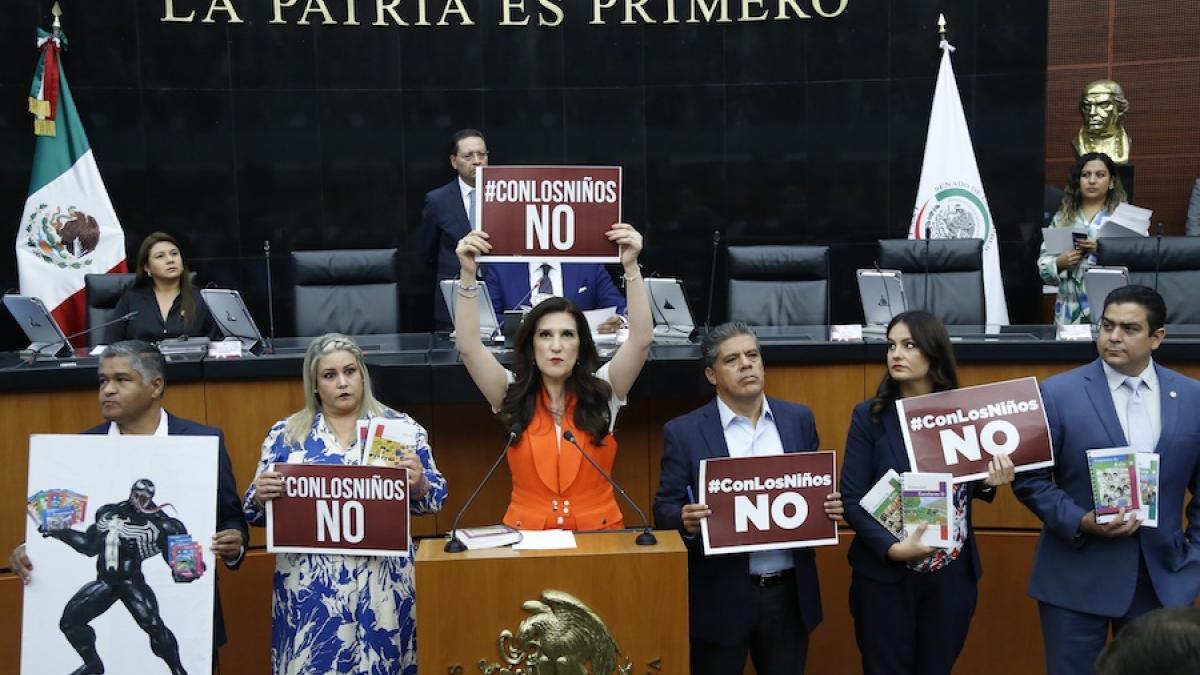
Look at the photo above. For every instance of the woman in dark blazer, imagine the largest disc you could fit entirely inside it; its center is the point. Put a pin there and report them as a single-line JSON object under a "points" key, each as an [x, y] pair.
{"points": [[912, 604], [166, 302]]}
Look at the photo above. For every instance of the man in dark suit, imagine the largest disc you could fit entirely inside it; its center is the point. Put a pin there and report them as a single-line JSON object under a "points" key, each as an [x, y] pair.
{"points": [[131, 391], [588, 285], [445, 219], [765, 602], [1089, 577]]}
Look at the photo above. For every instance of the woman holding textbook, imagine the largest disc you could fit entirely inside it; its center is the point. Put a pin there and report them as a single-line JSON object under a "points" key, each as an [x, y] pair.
{"points": [[557, 394], [912, 604]]}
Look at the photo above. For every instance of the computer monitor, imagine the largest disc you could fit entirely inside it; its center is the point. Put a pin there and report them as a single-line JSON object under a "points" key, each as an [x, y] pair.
{"points": [[45, 336], [488, 326], [882, 294], [669, 308], [1098, 282], [232, 317]]}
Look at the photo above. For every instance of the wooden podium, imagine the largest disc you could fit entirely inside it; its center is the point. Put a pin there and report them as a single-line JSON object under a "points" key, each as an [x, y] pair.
{"points": [[465, 600]]}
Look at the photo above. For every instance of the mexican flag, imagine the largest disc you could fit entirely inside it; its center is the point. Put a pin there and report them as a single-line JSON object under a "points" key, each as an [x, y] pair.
{"points": [[950, 200], [69, 228]]}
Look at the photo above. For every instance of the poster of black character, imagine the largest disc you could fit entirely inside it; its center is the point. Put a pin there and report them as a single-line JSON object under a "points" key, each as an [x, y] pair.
{"points": [[118, 529]]}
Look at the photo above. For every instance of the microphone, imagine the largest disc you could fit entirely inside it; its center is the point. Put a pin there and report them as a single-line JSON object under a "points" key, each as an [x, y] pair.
{"points": [[270, 297], [712, 279], [887, 294], [925, 302], [1157, 251], [646, 538], [454, 545], [59, 345]]}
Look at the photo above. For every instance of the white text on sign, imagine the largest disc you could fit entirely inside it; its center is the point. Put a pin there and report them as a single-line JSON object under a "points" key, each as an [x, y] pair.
{"points": [[762, 512], [970, 443], [334, 522]]}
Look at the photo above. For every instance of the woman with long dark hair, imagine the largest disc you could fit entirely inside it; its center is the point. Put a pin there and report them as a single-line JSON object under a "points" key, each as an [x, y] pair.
{"points": [[1092, 194], [557, 391], [912, 604], [168, 305]]}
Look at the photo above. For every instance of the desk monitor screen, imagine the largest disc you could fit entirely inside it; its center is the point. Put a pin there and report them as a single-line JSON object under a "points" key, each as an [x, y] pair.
{"points": [[1099, 282], [232, 317], [44, 334], [669, 308], [487, 314], [882, 294]]}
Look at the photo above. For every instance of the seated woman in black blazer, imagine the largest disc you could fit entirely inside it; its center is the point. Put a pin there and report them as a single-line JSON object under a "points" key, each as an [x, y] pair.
{"points": [[166, 302], [912, 604]]}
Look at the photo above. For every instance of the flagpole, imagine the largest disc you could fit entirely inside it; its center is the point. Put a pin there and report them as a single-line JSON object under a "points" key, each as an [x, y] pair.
{"points": [[57, 25], [941, 28]]}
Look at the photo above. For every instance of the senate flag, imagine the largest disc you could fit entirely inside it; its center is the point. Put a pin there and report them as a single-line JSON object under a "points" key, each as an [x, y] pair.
{"points": [[950, 200], [68, 228]]}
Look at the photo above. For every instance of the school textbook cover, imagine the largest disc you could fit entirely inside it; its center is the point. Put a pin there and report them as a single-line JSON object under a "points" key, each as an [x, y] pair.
{"points": [[929, 498], [883, 503], [1146, 465], [1113, 473]]}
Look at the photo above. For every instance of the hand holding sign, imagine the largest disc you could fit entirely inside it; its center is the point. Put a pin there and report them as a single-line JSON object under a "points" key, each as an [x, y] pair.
{"points": [[468, 251], [630, 241]]}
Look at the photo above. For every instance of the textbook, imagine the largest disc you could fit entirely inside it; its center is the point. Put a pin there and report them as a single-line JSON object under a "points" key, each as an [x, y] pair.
{"points": [[883, 503], [929, 498], [1114, 477], [387, 440], [1147, 480]]}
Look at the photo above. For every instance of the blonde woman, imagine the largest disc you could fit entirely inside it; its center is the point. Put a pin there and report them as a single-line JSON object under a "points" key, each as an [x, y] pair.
{"points": [[341, 613]]}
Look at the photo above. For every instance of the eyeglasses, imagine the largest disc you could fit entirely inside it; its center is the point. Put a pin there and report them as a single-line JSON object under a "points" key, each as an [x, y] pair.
{"points": [[481, 154]]}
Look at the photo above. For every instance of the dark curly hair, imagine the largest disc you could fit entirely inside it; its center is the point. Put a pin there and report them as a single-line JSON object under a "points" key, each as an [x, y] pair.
{"points": [[1072, 199], [592, 394], [931, 338]]}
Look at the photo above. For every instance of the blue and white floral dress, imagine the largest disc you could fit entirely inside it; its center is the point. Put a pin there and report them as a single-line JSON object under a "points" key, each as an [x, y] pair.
{"points": [[342, 613]]}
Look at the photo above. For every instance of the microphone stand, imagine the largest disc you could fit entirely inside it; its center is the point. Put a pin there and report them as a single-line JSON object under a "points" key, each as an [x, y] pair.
{"points": [[455, 545], [925, 302], [1157, 253], [58, 346], [712, 279], [270, 297], [646, 538]]}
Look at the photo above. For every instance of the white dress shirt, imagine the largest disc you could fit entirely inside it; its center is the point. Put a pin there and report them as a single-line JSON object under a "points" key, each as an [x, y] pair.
{"points": [[556, 280], [744, 439], [114, 430], [464, 191], [1151, 397]]}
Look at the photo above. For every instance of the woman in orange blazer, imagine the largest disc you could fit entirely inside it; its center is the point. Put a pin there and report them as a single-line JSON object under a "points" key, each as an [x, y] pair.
{"points": [[557, 392]]}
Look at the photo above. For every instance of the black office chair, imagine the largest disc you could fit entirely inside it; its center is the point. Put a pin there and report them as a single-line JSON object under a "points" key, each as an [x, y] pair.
{"points": [[941, 276], [356, 292], [1169, 264], [779, 285], [102, 293]]}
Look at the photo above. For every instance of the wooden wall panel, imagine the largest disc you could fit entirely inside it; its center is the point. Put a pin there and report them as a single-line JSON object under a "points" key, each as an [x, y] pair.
{"points": [[246, 596], [1145, 31]]}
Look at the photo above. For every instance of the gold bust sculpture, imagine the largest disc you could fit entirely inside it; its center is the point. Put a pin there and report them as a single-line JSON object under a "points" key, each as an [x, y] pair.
{"points": [[1103, 106]]}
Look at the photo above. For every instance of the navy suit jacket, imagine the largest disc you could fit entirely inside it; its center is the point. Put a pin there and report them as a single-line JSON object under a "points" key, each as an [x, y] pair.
{"points": [[443, 223], [872, 449], [719, 586], [588, 285], [229, 503], [1098, 575]]}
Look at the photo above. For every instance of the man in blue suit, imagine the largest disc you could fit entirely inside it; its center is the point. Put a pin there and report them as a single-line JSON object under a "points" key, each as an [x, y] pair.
{"points": [[131, 390], [588, 285], [1087, 576], [767, 602], [445, 219]]}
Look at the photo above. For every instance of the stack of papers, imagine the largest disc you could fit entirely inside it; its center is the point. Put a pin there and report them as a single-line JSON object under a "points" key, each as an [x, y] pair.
{"points": [[1126, 221]]}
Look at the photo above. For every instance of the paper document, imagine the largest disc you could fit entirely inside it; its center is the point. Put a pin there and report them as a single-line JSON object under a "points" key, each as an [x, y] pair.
{"points": [[595, 317], [1061, 239], [545, 540], [1126, 220]]}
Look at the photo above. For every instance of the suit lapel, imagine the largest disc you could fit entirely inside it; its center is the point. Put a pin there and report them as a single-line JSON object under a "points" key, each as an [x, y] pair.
{"points": [[1096, 386], [895, 441], [1168, 397], [786, 425], [713, 433]]}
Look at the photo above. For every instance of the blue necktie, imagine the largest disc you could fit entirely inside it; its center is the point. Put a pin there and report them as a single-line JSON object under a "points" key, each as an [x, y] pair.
{"points": [[544, 287], [1137, 418], [471, 207]]}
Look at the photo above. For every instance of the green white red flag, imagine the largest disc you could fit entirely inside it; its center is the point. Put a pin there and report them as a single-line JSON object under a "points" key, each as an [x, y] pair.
{"points": [[68, 228]]}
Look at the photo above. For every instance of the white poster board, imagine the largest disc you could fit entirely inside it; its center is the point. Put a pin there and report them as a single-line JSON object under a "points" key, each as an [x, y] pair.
{"points": [[104, 469]]}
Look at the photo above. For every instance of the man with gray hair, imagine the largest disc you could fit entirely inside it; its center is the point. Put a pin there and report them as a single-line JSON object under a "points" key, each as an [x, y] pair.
{"points": [[130, 396], [767, 602]]}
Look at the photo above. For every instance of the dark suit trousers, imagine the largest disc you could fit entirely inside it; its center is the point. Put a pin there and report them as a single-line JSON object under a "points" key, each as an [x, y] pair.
{"points": [[1074, 639], [778, 640], [916, 626]]}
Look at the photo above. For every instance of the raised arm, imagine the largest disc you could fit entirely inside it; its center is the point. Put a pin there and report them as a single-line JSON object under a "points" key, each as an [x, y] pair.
{"points": [[485, 370], [628, 361]]}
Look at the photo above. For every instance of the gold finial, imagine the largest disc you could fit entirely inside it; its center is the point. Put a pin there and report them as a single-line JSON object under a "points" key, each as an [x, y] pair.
{"points": [[942, 26], [57, 12]]}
